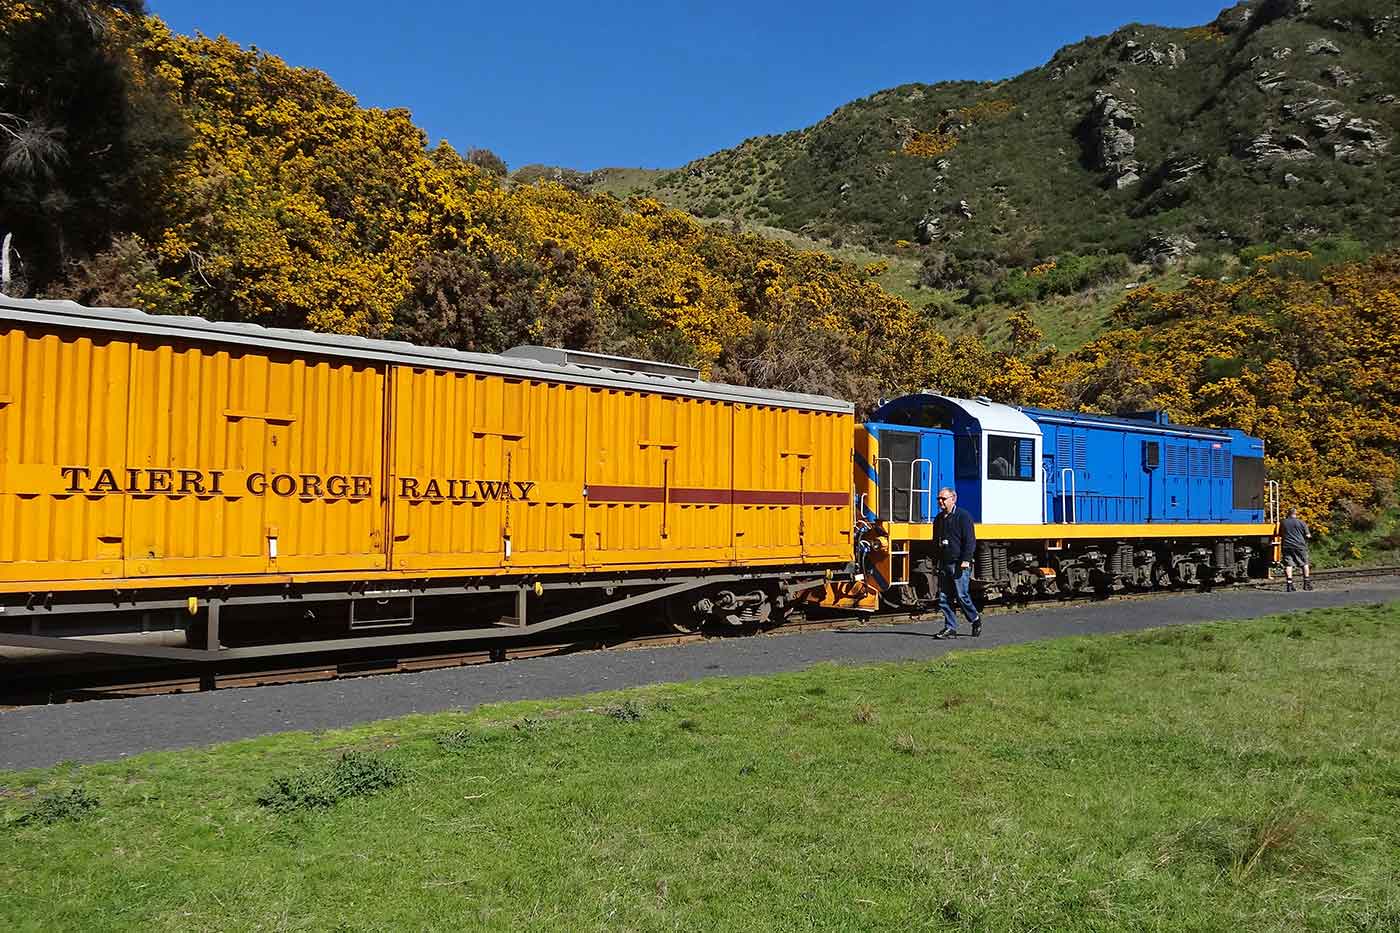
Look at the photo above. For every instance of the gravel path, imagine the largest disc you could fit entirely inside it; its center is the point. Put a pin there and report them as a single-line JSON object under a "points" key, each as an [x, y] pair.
{"points": [[111, 729]]}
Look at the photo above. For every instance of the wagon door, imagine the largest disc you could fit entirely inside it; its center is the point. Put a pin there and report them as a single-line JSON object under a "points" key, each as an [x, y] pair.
{"points": [[252, 463], [324, 460], [792, 495], [658, 479], [62, 422], [455, 436]]}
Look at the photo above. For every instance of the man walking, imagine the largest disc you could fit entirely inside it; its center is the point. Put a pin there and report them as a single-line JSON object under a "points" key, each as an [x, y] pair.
{"points": [[1296, 535], [957, 541]]}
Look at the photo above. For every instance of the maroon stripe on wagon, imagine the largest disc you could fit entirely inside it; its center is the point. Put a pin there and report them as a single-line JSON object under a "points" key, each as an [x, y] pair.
{"points": [[699, 496]]}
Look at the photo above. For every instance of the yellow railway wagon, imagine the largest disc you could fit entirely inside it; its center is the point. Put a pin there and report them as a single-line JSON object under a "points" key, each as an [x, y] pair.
{"points": [[166, 464]]}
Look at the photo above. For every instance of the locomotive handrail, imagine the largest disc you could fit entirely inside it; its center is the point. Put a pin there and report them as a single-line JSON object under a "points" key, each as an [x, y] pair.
{"points": [[915, 489], [1068, 506], [1271, 513]]}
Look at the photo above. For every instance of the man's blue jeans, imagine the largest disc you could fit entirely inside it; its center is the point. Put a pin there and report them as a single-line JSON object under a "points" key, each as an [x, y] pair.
{"points": [[952, 583]]}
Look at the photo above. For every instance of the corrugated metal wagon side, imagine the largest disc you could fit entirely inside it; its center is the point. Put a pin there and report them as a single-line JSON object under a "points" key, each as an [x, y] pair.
{"points": [[193, 470]]}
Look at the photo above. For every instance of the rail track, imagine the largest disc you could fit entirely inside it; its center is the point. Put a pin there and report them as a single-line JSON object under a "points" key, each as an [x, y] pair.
{"points": [[80, 679]]}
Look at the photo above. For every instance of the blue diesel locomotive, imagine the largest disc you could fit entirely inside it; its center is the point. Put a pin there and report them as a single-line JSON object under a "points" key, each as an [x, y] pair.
{"points": [[1064, 502]]}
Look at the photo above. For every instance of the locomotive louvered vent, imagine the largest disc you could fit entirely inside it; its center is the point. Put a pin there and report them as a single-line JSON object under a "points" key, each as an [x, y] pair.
{"points": [[1081, 452], [625, 364], [1026, 458], [1200, 462], [1064, 451], [1220, 463], [1176, 460]]}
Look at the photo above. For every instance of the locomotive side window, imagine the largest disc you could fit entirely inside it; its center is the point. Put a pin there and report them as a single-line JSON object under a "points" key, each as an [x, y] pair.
{"points": [[967, 457], [1010, 458], [1249, 483], [1151, 455]]}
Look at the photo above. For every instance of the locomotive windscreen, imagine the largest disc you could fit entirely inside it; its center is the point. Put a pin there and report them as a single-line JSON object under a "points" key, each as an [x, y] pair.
{"points": [[1249, 482]]}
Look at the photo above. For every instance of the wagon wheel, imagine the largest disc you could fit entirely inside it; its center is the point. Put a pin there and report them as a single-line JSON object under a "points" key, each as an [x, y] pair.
{"points": [[681, 616]]}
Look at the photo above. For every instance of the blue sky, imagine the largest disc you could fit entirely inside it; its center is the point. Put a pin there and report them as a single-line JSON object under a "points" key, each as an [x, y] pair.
{"points": [[651, 84]]}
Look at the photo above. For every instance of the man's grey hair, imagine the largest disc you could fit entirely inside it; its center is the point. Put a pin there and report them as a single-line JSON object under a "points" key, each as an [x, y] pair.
{"points": [[948, 489], [1292, 513]]}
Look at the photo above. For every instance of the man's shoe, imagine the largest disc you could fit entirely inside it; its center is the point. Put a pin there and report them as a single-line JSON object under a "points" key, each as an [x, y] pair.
{"points": [[947, 633], [1289, 587], [977, 629], [1307, 584]]}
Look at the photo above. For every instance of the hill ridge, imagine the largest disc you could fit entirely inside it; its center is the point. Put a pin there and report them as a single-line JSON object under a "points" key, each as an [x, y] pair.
{"points": [[1273, 123]]}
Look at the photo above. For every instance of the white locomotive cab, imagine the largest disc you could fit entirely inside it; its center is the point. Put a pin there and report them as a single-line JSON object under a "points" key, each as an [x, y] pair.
{"points": [[1013, 477]]}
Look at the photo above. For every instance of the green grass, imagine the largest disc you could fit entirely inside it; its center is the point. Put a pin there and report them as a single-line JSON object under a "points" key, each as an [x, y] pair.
{"points": [[1241, 776]]}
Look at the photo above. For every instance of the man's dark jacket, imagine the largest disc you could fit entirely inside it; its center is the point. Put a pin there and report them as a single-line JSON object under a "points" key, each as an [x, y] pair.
{"points": [[953, 532]]}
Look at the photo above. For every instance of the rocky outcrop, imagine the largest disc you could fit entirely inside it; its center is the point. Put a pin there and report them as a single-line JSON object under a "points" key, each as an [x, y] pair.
{"points": [[1360, 142], [1347, 137], [1323, 47], [1108, 137], [1181, 169], [1275, 55], [1165, 249], [1136, 53], [1267, 147], [929, 227]]}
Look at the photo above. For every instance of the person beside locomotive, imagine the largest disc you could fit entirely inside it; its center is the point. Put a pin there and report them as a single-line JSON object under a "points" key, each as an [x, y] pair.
{"points": [[1296, 534], [957, 540]]}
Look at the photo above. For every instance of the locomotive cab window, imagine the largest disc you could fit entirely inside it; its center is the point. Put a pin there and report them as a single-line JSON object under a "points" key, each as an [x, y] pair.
{"points": [[1010, 458], [967, 456], [1249, 482]]}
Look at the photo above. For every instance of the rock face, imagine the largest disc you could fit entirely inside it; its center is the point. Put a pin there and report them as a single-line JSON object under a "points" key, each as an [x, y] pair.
{"points": [[1346, 137], [1136, 53], [1361, 142], [1323, 47], [1266, 148], [1110, 141], [929, 227], [1179, 170], [1165, 249]]}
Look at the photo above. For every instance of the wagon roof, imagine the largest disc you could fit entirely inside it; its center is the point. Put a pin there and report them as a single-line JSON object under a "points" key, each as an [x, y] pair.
{"points": [[576, 368]]}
